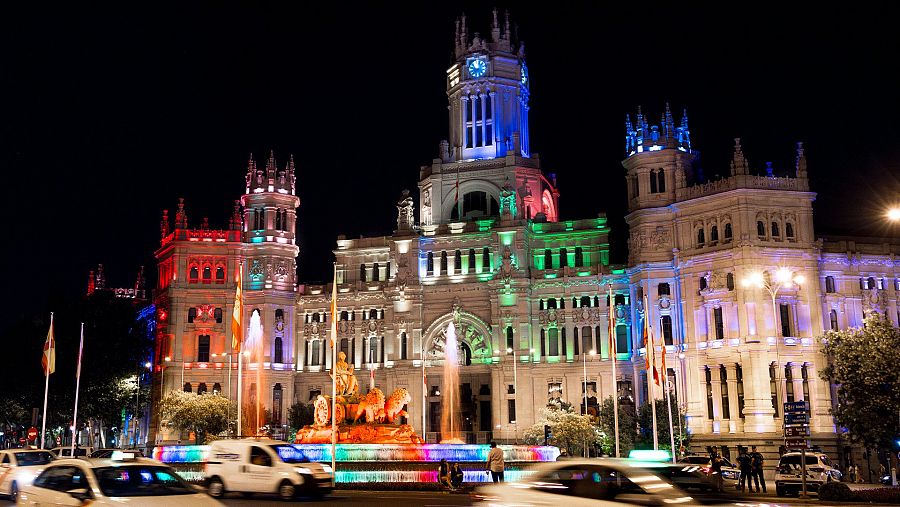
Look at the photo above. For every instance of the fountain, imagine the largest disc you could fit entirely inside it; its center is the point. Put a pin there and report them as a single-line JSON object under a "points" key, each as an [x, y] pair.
{"points": [[254, 345], [450, 420]]}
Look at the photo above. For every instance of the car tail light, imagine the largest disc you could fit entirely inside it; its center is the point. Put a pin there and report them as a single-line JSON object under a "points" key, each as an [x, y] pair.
{"points": [[705, 470]]}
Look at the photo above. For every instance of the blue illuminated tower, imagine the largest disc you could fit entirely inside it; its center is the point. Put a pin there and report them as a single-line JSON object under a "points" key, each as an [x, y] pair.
{"points": [[489, 145]]}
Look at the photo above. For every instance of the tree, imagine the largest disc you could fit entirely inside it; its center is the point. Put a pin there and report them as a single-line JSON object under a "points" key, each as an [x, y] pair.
{"points": [[645, 422], [204, 414], [863, 363], [571, 431], [300, 415], [607, 425]]}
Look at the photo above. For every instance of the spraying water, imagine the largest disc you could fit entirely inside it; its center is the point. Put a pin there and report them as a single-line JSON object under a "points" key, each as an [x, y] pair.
{"points": [[450, 421], [255, 346]]}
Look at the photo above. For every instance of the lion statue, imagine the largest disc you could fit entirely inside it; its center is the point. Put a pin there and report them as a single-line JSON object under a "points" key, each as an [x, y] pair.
{"points": [[393, 407], [372, 405]]}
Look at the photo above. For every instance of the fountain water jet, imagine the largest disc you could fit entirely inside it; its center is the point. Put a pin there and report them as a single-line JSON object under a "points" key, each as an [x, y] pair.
{"points": [[450, 420], [255, 346]]}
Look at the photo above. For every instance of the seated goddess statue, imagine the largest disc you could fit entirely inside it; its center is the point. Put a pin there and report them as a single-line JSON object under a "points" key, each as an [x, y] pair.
{"points": [[346, 380]]}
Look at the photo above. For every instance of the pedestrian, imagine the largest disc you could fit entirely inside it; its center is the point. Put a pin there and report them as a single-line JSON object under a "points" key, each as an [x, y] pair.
{"points": [[715, 468], [444, 474], [456, 476], [756, 462], [495, 462], [745, 464]]}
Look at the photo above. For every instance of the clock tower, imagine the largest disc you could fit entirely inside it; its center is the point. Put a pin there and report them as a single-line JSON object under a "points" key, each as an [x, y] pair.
{"points": [[487, 86], [488, 153]]}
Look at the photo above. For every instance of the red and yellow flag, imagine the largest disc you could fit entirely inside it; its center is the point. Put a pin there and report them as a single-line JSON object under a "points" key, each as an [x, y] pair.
{"points": [[334, 313], [237, 316], [48, 360], [650, 355]]}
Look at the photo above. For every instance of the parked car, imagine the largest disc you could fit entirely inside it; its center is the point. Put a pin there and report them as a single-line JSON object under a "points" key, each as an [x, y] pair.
{"points": [[731, 474], [789, 476], [264, 466], [18, 467], [108, 453], [66, 452], [113, 482]]}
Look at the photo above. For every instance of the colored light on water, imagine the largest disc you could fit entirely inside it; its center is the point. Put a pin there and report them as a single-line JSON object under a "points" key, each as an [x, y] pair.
{"points": [[649, 455], [469, 476]]}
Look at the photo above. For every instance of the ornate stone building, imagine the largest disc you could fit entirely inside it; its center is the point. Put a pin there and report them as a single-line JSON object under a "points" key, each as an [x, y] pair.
{"points": [[527, 290]]}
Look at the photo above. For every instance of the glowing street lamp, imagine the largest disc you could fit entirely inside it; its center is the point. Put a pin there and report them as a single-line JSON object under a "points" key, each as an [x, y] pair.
{"points": [[783, 278], [893, 214]]}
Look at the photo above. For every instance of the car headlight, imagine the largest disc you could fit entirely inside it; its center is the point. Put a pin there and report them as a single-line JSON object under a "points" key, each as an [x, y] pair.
{"points": [[303, 471], [327, 468], [25, 478]]}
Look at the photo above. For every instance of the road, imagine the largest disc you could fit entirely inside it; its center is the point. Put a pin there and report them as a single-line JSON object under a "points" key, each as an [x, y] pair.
{"points": [[376, 498]]}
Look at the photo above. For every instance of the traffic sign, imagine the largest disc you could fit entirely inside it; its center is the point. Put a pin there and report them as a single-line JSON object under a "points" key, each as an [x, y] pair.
{"points": [[796, 443], [32, 433], [796, 407], [796, 431], [796, 418]]}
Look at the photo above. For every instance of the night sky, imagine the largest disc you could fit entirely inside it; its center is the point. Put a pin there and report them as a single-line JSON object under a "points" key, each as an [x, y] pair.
{"points": [[109, 114]]}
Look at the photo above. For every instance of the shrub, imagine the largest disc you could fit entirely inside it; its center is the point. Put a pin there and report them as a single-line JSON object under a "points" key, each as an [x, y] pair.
{"points": [[835, 491], [878, 495]]}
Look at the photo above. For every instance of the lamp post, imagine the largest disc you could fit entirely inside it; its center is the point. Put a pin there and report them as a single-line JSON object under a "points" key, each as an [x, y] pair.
{"points": [[592, 353], [515, 422], [137, 405], [893, 214], [162, 393]]}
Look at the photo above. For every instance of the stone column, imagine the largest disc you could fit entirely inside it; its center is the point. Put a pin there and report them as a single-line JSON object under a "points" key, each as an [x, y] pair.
{"points": [[474, 126], [481, 96], [493, 96], [734, 407], [797, 380], [717, 397], [463, 112], [758, 410], [695, 399]]}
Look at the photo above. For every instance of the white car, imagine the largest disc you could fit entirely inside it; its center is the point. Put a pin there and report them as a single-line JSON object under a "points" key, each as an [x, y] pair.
{"points": [[18, 467], [66, 451], [123, 480], [574, 483], [264, 466], [789, 476]]}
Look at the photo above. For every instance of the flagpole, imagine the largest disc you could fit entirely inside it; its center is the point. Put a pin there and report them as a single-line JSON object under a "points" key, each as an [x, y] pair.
{"points": [[77, 387], [669, 406], [334, 378], [237, 344], [651, 361], [613, 352], [424, 389], [240, 391], [49, 352]]}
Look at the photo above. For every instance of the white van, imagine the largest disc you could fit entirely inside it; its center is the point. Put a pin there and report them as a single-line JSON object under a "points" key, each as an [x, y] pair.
{"points": [[264, 466]]}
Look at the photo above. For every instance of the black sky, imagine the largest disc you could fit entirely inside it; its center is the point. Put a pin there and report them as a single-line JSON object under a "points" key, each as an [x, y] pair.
{"points": [[110, 114]]}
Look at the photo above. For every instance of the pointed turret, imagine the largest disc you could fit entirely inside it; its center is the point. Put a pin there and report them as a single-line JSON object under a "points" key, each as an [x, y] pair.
{"points": [[630, 135], [181, 221], [464, 33], [457, 44], [139, 284], [164, 224], [669, 127], [739, 164], [99, 278], [251, 173], [271, 167], [684, 132], [235, 223], [801, 161], [495, 29], [91, 287]]}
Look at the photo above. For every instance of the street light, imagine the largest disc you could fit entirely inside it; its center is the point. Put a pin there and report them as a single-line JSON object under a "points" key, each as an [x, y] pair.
{"points": [[784, 278], [515, 422], [893, 214], [137, 405]]}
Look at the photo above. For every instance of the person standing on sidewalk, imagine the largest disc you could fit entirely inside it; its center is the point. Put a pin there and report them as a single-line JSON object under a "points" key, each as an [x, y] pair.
{"points": [[756, 462], [495, 462], [744, 461]]}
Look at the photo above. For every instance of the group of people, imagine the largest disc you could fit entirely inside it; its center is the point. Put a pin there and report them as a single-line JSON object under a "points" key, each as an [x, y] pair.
{"points": [[451, 476], [751, 465]]}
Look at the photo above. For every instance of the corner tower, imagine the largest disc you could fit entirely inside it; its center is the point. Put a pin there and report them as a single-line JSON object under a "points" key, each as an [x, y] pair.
{"points": [[489, 146]]}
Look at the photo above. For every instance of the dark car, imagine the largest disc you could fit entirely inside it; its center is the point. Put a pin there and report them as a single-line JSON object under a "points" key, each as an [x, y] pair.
{"points": [[688, 476]]}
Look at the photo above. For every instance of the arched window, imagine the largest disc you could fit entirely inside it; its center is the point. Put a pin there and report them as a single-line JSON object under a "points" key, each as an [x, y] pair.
{"points": [[775, 231], [279, 315], [701, 237], [457, 262], [194, 274], [728, 233], [661, 180], [619, 299], [714, 233], [729, 281], [509, 337], [376, 272], [429, 266], [663, 289], [543, 343], [551, 304], [789, 230], [362, 273], [834, 320], [596, 301], [192, 314], [471, 267], [217, 388], [443, 262], [373, 314], [870, 283], [486, 260], [345, 347], [541, 304], [829, 284], [585, 301], [220, 274], [201, 388], [548, 259], [314, 352], [315, 317], [760, 229], [188, 388], [278, 355], [403, 345], [345, 315], [579, 257], [562, 303], [702, 282], [465, 357], [653, 187]]}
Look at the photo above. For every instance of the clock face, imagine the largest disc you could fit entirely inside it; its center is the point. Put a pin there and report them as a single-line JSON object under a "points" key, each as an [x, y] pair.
{"points": [[524, 74], [477, 67]]}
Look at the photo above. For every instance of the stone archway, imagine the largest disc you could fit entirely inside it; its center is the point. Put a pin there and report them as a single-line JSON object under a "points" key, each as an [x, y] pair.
{"points": [[472, 333]]}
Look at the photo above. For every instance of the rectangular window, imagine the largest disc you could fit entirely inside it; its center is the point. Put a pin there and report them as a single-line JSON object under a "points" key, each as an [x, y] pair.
{"points": [[726, 407], [709, 395], [788, 384], [720, 323], [805, 374], [403, 346], [773, 387], [785, 314], [622, 339], [554, 342], [203, 349], [666, 325], [739, 373], [511, 408]]}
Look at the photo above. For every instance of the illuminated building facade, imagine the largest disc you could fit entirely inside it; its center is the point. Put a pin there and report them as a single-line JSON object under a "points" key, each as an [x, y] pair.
{"points": [[527, 290]]}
